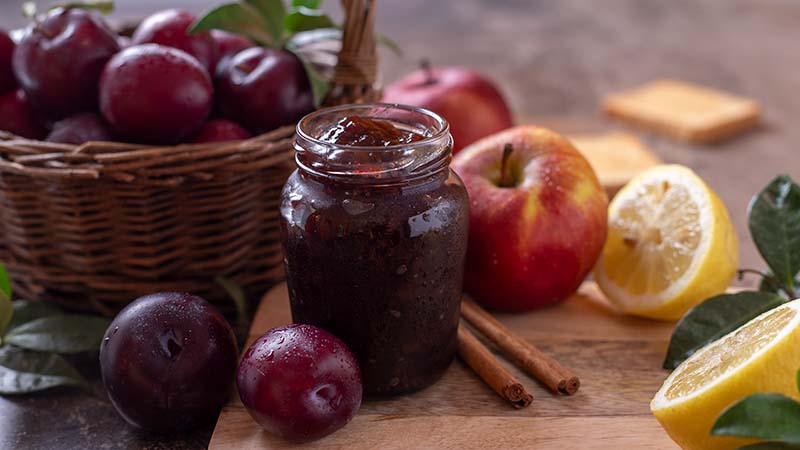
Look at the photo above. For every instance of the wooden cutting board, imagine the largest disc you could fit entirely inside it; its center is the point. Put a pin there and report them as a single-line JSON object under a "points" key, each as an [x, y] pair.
{"points": [[617, 357]]}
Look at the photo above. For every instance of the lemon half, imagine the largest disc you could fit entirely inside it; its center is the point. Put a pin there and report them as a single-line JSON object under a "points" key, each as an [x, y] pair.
{"points": [[761, 356], [671, 244]]}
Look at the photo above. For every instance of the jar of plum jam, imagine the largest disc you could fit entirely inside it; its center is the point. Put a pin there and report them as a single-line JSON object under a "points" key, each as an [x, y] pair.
{"points": [[374, 231]]}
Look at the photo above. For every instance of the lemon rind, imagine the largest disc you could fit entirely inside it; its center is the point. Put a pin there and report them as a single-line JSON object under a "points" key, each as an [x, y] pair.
{"points": [[700, 193], [660, 402]]}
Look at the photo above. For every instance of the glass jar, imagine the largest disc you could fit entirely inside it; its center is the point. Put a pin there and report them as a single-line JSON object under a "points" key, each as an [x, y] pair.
{"points": [[374, 242]]}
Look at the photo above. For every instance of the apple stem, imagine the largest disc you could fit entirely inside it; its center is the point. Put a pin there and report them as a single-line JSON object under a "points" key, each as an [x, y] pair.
{"points": [[504, 181], [425, 65]]}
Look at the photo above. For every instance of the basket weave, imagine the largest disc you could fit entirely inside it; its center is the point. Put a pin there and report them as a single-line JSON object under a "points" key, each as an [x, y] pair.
{"points": [[93, 227]]}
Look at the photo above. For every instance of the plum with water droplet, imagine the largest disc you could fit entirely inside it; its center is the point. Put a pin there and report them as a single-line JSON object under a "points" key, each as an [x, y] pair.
{"points": [[263, 89], [18, 117], [228, 45], [300, 382], [171, 28], [7, 80], [155, 94], [168, 361], [59, 60]]}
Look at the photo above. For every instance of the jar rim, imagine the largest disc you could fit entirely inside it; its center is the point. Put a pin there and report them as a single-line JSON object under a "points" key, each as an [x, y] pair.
{"points": [[442, 126]]}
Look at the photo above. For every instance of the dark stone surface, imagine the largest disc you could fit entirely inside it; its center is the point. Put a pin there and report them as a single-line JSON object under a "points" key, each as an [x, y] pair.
{"points": [[551, 58], [67, 418]]}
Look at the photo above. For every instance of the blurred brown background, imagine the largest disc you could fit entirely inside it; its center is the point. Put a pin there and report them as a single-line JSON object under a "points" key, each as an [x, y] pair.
{"points": [[554, 60]]}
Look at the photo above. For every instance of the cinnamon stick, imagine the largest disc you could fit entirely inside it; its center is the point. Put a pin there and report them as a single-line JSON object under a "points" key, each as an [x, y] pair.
{"points": [[522, 353], [477, 356]]}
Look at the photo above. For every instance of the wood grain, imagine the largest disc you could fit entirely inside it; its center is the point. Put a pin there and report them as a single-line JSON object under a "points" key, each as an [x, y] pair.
{"points": [[617, 357]]}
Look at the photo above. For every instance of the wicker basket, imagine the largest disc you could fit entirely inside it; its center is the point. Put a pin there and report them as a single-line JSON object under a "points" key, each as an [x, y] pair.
{"points": [[93, 227]]}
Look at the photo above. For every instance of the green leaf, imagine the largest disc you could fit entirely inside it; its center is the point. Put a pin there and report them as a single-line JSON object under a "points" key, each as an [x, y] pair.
{"points": [[5, 283], [770, 446], [273, 13], [714, 318], [6, 308], [102, 6], [774, 220], [73, 333], [763, 416], [771, 284], [23, 371], [388, 42], [239, 18], [798, 380], [25, 311], [319, 85], [304, 19], [236, 294], [312, 4]]}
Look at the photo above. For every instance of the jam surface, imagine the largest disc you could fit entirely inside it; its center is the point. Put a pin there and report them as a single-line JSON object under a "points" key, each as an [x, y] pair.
{"points": [[379, 265], [365, 132]]}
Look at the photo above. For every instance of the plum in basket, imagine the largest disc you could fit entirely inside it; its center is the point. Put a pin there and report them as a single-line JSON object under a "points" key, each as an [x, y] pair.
{"points": [[155, 94], [170, 28], [59, 60]]}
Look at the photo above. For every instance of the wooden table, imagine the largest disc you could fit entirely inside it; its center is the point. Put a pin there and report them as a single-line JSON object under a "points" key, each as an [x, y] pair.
{"points": [[554, 60], [618, 358]]}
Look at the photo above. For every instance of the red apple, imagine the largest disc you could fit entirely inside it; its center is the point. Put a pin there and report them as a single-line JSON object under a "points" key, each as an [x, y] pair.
{"points": [[537, 218], [471, 104]]}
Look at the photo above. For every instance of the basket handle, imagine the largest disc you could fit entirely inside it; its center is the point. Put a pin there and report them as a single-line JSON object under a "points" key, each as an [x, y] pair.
{"points": [[356, 68]]}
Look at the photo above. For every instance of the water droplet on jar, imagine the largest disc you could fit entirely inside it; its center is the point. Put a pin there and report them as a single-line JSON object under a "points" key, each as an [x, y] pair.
{"points": [[394, 382], [355, 207], [402, 269], [395, 313]]}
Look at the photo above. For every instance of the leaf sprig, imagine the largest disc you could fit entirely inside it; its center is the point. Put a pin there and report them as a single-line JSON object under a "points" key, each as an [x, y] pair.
{"points": [[271, 24], [773, 418], [774, 223], [34, 336]]}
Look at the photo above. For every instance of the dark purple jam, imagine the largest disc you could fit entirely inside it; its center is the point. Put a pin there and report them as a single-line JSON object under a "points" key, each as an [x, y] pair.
{"points": [[379, 262]]}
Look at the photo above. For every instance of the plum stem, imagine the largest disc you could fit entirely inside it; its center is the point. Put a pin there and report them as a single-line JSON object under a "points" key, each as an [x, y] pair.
{"points": [[504, 181], [425, 65]]}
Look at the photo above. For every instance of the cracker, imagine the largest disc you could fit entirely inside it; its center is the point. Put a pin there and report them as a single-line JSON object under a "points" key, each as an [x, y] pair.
{"points": [[685, 111], [616, 157]]}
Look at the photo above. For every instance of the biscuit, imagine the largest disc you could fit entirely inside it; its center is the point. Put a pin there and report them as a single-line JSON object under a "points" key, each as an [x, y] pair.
{"points": [[685, 111], [616, 157]]}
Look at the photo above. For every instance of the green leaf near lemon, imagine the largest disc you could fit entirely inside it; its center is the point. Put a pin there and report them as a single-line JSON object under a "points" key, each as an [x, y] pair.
{"points": [[743, 343]]}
